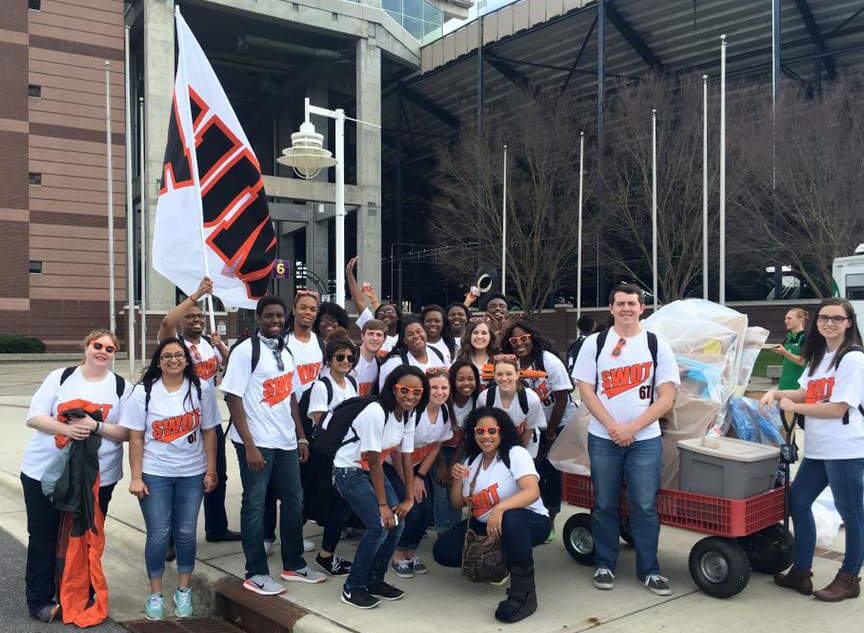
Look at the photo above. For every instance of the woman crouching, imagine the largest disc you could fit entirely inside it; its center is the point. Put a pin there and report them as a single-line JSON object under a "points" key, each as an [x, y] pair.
{"points": [[500, 483]]}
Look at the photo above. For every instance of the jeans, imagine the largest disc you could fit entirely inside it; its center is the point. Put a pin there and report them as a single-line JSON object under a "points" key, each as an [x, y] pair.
{"points": [[417, 520], [846, 478], [521, 531], [284, 468], [43, 528], [445, 515], [377, 544], [639, 466], [171, 509], [215, 518], [550, 485]]}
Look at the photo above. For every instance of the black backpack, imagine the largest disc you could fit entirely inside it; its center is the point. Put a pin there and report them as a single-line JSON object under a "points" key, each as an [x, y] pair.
{"points": [[799, 418], [256, 349], [652, 348], [573, 353], [119, 384], [307, 395], [332, 433], [403, 354], [520, 394]]}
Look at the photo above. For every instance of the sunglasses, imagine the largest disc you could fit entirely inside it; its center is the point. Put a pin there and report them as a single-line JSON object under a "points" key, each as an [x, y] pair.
{"points": [[175, 356], [108, 348], [522, 338], [195, 317], [836, 320], [307, 293], [505, 357], [405, 390], [341, 358], [480, 318], [619, 347], [486, 430]]}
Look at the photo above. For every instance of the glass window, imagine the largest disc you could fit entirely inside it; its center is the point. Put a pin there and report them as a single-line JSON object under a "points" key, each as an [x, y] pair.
{"points": [[431, 31], [432, 14], [392, 6], [413, 9], [414, 27]]}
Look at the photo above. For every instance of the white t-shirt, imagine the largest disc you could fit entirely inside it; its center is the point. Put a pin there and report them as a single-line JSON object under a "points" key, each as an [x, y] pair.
{"points": [[308, 359], [50, 396], [377, 432], [390, 340], [318, 397], [535, 419], [625, 380], [427, 434], [441, 346], [432, 361], [172, 425], [497, 483], [830, 438], [556, 380], [365, 372], [266, 395], [210, 359]]}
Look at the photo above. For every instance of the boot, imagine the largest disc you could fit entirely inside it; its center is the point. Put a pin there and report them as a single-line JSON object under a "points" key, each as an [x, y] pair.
{"points": [[521, 596], [843, 586], [797, 579]]}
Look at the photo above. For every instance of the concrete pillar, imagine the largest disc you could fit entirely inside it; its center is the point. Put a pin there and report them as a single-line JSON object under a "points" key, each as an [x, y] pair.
{"points": [[369, 160], [158, 90]]}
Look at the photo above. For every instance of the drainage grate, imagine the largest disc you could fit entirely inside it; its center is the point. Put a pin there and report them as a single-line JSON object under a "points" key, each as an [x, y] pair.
{"points": [[191, 625]]}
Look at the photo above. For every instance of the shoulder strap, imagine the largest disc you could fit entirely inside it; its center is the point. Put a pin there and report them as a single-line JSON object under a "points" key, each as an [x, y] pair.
{"points": [[523, 400], [652, 348], [437, 352], [601, 341], [329, 386], [207, 338], [119, 385], [256, 351], [490, 395], [352, 380], [66, 373]]}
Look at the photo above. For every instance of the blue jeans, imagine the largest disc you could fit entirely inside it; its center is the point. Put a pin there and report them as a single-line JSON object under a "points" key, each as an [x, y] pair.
{"points": [[846, 478], [521, 531], [171, 509], [445, 515], [377, 544], [639, 466], [416, 521], [284, 467]]}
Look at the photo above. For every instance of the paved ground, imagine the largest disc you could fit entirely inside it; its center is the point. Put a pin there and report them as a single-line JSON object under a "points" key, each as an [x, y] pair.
{"points": [[440, 601]]}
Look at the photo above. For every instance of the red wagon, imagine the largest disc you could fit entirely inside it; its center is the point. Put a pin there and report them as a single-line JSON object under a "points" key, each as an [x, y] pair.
{"points": [[745, 533]]}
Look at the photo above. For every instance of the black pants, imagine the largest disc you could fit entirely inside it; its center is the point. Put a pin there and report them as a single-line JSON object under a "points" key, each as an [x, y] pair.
{"points": [[215, 518], [43, 528], [521, 530]]}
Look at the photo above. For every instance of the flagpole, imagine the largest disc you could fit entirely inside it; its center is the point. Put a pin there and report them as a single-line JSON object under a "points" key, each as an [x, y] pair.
{"points": [[705, 187], [722, 299], [143, 186], [504, 231], [654, 205], [196, 179], [112, 317], [579, 244], [130, 217]]}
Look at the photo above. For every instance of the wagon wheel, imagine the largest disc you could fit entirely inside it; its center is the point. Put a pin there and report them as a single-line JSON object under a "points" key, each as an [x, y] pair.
{"points": [[770, 549], [578, 540], [719, 566]]}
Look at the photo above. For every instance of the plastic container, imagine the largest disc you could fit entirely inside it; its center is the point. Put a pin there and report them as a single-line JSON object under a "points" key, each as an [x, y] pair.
{"points": [[731, 469]]}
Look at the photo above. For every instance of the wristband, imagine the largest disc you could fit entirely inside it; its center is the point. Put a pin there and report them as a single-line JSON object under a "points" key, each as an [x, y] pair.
{"points": [[303, 440], [420, 475]]}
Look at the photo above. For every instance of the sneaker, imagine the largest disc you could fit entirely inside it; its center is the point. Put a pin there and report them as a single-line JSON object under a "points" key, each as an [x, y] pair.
{"points": [[264, 585], [657, 584], [154, 608], [304, 574], [500, 583], [48, 613], [268, 547], [333, 565], [604, 578], [402, 568], [360, 598], [308, 546], [550, 538], [183, 602], [418, 566], [385, 591]]}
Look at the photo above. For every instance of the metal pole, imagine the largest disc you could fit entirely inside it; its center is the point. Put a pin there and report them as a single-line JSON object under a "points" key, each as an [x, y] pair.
{"points": [[722, 298], [480, 95], [130, 214], [400, 236], [504, 231], [112, 317], [705, 187], [601, 78], [579, 244], [654, 205], [775, 85], [142, 181], [340, 207]]}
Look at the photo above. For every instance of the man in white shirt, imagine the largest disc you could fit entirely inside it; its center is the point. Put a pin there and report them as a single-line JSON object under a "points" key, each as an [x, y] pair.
{"points": [[260, 383], [209, 355], [372, 337], [618, 386]]}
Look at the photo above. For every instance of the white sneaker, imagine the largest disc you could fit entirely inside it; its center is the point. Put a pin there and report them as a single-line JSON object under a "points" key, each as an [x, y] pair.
{"points": [[306, 574], [308, 546], [268, 548], [264, 585]]}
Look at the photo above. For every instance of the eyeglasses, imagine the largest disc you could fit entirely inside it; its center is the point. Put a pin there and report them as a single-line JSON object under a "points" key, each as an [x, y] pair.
{"points": [[175, 356], [505, 357], [307, 293], [195, 317], [387, 310], [406, 389], [619, 347], [486, 430], [479, 318], [108, 348], [341, 358], [432, 372], [836, 320], [522, 338]]}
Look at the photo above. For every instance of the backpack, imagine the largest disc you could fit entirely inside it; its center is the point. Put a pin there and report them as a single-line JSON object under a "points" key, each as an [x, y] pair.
{"points": [[652, 348], [403, 354], [854, 348], [330, 434], [520, 394], [119, 385], [203, 337], [256, 349], [573, 353], [307, 395]]}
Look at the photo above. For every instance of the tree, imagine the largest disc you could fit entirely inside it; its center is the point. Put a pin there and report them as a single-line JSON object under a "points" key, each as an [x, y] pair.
{"points": [[542, 199]]}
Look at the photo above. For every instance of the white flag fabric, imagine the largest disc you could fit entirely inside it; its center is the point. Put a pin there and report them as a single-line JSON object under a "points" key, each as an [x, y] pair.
{"points": [[212, 216]]}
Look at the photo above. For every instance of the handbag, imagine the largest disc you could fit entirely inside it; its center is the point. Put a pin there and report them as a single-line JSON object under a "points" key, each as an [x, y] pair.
{"points": [[482, 559]]}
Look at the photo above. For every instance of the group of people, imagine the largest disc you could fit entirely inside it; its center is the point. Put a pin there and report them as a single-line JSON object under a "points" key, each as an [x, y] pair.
{"points": [[435, 414]]}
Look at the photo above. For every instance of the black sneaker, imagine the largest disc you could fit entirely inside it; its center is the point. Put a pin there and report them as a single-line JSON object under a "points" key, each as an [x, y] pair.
{"points": [[359, 597], [334, 565], [603, 578], [385, 591]]}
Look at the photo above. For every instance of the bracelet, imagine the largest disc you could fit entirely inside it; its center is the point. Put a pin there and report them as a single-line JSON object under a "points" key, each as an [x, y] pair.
{"points": [[383, 505], [303, 440], [420, 475], [98, 429]]}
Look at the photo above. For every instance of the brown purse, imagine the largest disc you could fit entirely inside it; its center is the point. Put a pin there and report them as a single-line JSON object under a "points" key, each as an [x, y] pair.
{"points": [[482, 560]]}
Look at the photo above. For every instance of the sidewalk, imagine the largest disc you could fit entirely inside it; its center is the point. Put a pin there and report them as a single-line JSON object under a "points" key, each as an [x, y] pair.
{"points": [[440, 601]]}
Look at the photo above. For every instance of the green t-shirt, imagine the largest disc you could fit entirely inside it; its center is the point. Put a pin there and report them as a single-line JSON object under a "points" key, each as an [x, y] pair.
{"points": [[791, 372]]}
